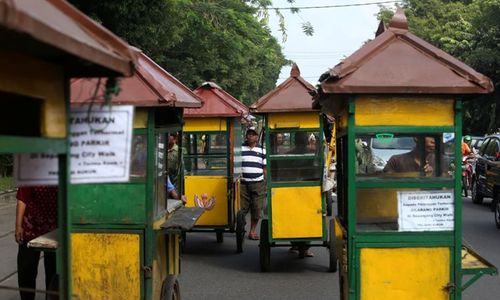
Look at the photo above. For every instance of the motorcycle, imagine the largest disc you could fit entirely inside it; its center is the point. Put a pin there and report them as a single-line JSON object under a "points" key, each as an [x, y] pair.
{"points": [[467, 170]]}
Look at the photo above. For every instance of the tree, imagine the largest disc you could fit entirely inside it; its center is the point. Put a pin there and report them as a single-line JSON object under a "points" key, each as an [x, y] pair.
{"points": [[6, 165], [222, 41], [470, 31]]}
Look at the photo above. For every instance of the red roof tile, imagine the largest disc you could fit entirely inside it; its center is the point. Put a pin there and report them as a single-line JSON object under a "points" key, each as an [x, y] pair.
{"points": [[216, 103], [55, 25], [397, 61], [150, 86], [291, 95]]}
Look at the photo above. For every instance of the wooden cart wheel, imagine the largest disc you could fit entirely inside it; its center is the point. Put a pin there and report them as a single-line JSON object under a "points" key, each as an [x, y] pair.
{"points": [[240, 232], [331, 247], [170, 289], [264, 247], [220, 236]]}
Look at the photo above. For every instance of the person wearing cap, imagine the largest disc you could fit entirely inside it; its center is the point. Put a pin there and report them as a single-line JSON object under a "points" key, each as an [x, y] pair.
{"points": [[466, 148], [253, 165]]}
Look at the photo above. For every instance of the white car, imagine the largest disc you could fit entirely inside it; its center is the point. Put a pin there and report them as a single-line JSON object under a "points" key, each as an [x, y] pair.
{"points": [[383, 149]]}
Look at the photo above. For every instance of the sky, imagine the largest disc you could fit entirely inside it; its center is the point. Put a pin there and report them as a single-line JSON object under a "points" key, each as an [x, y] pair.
{"points": [[338, 32]]}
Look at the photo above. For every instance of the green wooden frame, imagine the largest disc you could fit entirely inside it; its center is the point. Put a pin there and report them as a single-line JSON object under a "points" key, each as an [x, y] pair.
{"points": [[270, 184], [231, 141], [356, 240]]}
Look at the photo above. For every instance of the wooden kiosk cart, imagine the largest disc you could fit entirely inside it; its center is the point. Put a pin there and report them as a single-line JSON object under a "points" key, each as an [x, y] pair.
{"points": [[126, 235], [296, 207], [212, 138], [399, 227], [37, 59]]}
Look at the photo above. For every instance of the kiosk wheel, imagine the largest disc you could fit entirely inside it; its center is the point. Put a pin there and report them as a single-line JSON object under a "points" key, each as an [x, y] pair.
{"points": [[170, 289], [264, 247], [331, 247], [219, 235], [240, 232]]}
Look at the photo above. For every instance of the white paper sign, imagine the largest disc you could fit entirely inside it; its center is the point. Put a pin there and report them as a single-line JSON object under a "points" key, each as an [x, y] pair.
{"points": [[426, 210], [100, 143]]}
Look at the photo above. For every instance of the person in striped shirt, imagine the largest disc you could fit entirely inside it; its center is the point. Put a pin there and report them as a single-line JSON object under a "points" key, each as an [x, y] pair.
{"points": [[253, 187]]}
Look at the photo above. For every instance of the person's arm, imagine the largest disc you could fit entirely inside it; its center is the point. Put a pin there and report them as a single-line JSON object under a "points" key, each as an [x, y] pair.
{"points": [[174, 195], [19, 232], [264, 164], [171, 192]]}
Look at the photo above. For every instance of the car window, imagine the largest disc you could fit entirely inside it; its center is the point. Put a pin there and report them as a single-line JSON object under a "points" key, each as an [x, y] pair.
{"points": [[492, 148], [483, 146], [399, 155]]}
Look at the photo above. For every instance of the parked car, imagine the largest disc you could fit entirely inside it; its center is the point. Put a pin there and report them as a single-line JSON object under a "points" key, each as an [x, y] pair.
{"points": [[486, 181]]}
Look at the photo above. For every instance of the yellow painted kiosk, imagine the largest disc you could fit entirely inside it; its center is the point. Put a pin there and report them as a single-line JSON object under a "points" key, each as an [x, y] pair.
{"points": [[127, 234], [43, 45], [399, 227], [212, 138], [295, 153]]}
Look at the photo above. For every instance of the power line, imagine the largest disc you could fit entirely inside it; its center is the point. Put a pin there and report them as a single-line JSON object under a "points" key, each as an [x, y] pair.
{"points": [[334, 6]]}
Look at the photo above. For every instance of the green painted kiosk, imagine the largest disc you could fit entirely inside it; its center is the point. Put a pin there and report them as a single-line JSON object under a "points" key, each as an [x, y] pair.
{"points": [[212, 161], [295, 153], [38, 58], [399, 222], [126, 236]]}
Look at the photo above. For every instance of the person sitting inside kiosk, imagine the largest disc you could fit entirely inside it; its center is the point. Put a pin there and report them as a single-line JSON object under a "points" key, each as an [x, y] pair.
{"points": [[411, 161]]}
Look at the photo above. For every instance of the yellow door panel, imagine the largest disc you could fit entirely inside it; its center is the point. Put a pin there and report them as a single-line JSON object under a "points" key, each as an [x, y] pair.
{"points": [[296, 212], [404, 273], [213, 186], [294, 120], [204, 124], [106, 265], [380, 110]]}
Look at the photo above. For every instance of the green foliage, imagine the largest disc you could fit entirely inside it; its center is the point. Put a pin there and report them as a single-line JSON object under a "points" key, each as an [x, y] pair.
{"points": [[6, 183], [199, 40], [470, 31]]}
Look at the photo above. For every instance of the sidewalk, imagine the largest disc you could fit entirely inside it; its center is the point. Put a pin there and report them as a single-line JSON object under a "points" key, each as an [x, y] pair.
{"points": [[7, 197]]}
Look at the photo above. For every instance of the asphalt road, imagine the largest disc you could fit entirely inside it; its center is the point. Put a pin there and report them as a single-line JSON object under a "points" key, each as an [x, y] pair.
{"points": [[480, 232], [215, 271]]}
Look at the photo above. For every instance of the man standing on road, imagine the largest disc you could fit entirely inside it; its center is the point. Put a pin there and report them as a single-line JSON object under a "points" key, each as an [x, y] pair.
{"points": [[253, 163]]}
